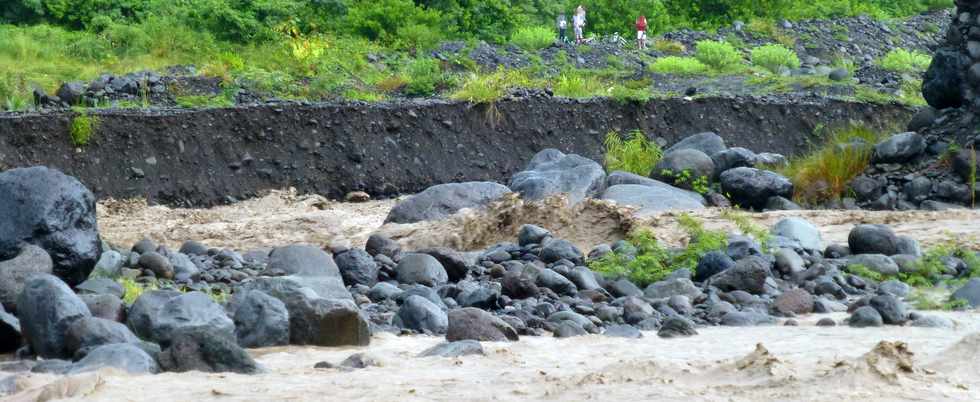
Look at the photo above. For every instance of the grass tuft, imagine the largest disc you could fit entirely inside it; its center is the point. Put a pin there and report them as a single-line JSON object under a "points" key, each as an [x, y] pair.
{"points": [[825, 173]]}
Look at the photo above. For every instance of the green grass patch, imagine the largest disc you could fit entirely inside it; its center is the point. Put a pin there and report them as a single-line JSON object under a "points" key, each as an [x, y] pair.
{"points": [[132, 290], [685, 66], [578, 86], [826, 172], [489, 88], [905, 61], [635, 154], [775, 58]]}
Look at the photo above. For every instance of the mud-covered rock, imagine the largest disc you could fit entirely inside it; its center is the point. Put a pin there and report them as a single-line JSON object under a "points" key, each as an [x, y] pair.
{"points": [[440, 201], [552, 172]]}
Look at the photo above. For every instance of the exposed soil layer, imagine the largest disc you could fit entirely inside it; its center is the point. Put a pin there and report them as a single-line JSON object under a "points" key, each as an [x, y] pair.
{"points": [[214, 156]]}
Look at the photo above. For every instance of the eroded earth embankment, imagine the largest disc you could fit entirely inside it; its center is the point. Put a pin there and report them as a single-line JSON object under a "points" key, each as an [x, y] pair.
{"points": [[212, 156]]}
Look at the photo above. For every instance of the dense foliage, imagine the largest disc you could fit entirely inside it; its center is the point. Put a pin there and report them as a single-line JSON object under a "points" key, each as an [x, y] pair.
{"points": [[392, 21]]}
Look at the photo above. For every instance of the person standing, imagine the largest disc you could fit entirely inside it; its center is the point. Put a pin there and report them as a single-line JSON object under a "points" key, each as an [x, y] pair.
{"points": [[641, 32], [562, 27], [578, 22]]}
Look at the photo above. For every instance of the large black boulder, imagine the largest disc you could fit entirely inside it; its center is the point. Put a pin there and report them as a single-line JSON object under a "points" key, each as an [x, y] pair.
{"points": [[443, 200], [193, 309], [942, 83], [92, 332], [357, 267], [54, 211], [872, 239], [419, 314], [47, 308], [752, 188]]}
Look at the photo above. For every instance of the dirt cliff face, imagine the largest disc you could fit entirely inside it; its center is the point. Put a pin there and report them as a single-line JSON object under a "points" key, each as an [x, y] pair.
{"points": [[214, 156]]}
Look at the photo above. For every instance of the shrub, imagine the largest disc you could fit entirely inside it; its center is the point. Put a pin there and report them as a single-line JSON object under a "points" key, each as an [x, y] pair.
{"points": [[826, 172], [678, 66], [423, 76], [533, 38], [82, 128], [774, 58], [637, 154], [720, 56], [416, 37], [904, 61]]}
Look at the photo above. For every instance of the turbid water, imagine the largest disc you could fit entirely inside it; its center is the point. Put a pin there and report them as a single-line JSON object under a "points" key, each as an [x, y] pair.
{"points": [[720, 364]]}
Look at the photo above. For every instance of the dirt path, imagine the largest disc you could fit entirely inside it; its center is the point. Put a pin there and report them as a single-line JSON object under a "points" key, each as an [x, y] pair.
{"points": [[720, 364], [283, 218]]}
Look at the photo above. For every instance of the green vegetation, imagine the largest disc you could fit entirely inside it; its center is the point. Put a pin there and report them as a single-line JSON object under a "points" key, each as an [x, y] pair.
{"points": [[904, 61], [637, 154], [480, 89], [653, 262], [577, 86], [685, 179], [678, 65], [745, 225], [826, 172], [347, 49], [132, 290], [534, 38], [864, 272], [775, 58], [720, 56], [83, 126], [669, 46]]}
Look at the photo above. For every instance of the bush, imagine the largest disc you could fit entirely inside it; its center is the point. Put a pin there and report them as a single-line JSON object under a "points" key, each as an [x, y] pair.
{"points": [[533, 38], [775, 58], [636, 154], [720, 56], [485, 89], [904, 61], [678, 66]]}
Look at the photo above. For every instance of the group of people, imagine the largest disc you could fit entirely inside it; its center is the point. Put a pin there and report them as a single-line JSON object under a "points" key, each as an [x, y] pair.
{"points": [[578, 25]]}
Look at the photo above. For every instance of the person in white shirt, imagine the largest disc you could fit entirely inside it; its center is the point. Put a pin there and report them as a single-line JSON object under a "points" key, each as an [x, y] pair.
{"points": [[578, 22], [562, 27]]}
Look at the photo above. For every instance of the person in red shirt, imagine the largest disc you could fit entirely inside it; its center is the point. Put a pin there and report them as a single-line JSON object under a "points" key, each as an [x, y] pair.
{"points": [[641, 32]]}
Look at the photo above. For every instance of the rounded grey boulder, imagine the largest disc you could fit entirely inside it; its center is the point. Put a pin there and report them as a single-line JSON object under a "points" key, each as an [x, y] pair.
{"points": [[419, 314], [260, 320], [14, 273], [47, 308], [899, 148], [683, 166], [872, 239], [422, 269], [707, 142], [475, 324]]}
